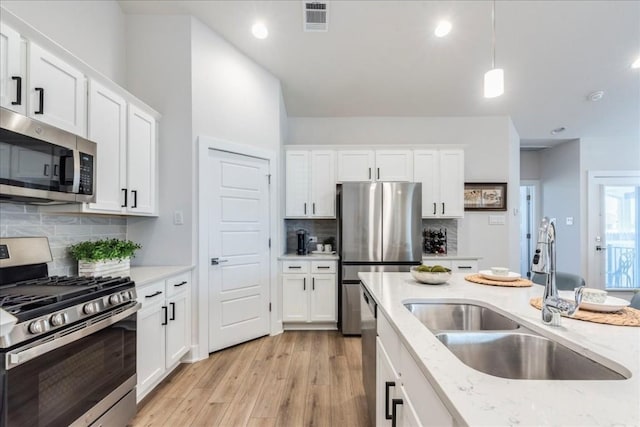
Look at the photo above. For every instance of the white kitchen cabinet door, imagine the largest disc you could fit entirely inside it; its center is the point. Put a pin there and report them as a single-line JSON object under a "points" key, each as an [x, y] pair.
{"points": [[323, 184], [141, 162], [107, 128], [385, 373], [405, 413], [425, 171], [12, 71], [297, 184], [452, 183], [323, 298], [150, 347], [57, 92], [178, 331], [295, 298], [356, 165], [394, 165]]}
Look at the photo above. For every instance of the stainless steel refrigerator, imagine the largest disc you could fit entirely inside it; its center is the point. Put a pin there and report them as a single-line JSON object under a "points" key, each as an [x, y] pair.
{"points": [[380, 230]]}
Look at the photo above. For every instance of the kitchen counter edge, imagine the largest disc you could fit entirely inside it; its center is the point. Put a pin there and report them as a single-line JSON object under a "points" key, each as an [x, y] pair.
{"points": [[308, 257], [143, 275]]}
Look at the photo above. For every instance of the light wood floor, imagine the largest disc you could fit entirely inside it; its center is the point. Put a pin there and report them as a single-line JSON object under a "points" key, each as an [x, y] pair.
{"points": [[298, 378]]}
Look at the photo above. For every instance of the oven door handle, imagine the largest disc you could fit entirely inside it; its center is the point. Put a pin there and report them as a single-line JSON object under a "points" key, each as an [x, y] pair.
{"points": [[23, 355]]}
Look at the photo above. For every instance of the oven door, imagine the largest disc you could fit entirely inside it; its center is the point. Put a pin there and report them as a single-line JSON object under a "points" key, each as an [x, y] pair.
{"points": [[72, 379]]}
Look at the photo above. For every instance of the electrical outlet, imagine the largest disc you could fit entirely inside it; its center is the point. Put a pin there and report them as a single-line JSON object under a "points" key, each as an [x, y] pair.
{"points": [[313, 239]]}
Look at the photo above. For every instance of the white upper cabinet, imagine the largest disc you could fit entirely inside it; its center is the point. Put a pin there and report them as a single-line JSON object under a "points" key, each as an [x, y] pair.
{"points": [[108, 129], [441, 173], [356, 165], [57, 92], [310, 184], [141, 162], [12, 70], [378, 165], [394, 165]]}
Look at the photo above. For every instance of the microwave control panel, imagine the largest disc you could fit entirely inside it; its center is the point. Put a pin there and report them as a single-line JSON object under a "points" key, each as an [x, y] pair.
{"points": [[86, 174]]}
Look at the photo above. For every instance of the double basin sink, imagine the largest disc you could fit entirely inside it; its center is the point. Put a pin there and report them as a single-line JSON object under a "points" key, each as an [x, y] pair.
{"points": [[496, 345]]}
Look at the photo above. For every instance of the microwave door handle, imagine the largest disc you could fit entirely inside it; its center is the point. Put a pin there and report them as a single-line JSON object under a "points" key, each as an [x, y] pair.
{"points": [[76, 171]]}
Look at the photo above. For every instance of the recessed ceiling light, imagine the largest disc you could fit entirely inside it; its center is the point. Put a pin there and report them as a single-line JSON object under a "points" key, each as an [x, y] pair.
{"points": [[443, 28], [636, 64], [259, 30], [558, 130], [595, 96]]}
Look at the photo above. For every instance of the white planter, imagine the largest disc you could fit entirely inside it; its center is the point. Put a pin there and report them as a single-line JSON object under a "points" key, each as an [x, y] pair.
{"points": [[114, 267]]}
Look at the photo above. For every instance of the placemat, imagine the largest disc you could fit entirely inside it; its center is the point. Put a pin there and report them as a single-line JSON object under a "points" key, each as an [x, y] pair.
{"points": [[477, 278], [626, 317]]}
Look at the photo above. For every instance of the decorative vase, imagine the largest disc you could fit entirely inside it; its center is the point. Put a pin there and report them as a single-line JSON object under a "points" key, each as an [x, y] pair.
{"points": [[109, 267]]}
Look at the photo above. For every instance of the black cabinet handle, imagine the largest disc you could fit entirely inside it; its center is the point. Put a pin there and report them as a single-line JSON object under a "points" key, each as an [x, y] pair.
{"points": [[135, 198], [434, 208], [378, 173], [443, 208], [177, 285], [155, 294], [164, 315], [313, 208], [41, 96], [305, 208], [387, 386], [291, 267], [18, 100], [464, 267], [369, 173], [323, 267], [394, 411], [304, 283], [313, 283], [173, 311], [45, 172], [124, 190]]}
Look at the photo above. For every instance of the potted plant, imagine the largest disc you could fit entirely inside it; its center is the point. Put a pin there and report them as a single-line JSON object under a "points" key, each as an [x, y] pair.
{"points": [[106, 257]]}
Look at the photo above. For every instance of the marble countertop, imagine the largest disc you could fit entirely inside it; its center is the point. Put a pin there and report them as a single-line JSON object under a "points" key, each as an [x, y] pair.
{"points": [[148, 274], [308, 257], [447, 257], [475, 398]]}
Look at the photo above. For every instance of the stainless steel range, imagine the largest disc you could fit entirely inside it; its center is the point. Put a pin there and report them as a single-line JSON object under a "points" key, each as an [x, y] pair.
{"points": [[67, 344]]}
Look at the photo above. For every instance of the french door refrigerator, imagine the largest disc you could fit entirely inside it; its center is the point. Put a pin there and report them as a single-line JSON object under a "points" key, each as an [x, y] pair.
{"points": [[380, 230]]}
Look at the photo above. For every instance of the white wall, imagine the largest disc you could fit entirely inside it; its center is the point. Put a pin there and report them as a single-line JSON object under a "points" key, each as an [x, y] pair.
{"points": [[488, 142], [94, 31], [530, 165], [561, 198]]}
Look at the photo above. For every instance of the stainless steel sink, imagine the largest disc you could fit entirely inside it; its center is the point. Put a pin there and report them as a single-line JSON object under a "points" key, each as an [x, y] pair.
{"points": [[460, 317], [523, 356]]}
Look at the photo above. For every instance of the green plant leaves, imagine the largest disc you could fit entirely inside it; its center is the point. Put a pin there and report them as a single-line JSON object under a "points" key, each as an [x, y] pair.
{"points": [[98, 250]]}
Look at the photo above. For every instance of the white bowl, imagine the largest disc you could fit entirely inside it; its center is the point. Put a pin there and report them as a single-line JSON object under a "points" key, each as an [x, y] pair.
{"points": [[500, 271], [594, 295], [430, 278]]}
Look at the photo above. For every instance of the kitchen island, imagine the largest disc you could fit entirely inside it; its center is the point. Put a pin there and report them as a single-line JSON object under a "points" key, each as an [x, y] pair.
{"points": [[474, 398]]}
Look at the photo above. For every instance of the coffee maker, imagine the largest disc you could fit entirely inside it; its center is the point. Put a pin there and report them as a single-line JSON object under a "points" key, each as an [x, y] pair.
{"points": [[302, 242]]}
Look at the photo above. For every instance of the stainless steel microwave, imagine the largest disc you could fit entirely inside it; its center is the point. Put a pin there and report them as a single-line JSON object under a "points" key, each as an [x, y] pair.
{"points": [[43, 164]]}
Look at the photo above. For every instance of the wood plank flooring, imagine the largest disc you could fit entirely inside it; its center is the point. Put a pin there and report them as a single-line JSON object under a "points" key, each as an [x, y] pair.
{"points": [[298, 378]]}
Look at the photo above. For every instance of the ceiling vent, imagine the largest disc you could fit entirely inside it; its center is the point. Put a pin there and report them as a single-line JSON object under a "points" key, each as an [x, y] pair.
{"points": [[314, 16]]}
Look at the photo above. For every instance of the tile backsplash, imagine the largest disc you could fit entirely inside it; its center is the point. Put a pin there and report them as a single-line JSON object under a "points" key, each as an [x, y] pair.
{"points": [[322, 228], [18, 220]]}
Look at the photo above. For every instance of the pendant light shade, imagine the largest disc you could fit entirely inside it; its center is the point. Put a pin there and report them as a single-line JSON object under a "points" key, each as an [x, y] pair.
{"points": [[494, 78], [494, 83]]}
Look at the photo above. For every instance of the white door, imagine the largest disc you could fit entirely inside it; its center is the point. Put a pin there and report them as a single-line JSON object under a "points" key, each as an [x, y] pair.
{"points": [[323, 298], [355, 165], [614, 230], [141, 155], [238, 248], [425, 171], [57, 92], [297, 184], [12, 71], [394, 165], [323, 184], [107, 128], [451, 183]]}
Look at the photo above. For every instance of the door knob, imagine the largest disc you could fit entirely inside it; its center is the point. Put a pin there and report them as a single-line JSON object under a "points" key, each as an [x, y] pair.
{"points": [[216, 261], [600, 248]]}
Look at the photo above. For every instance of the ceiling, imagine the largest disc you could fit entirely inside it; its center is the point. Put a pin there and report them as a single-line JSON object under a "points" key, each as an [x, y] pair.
{"points": [[381, 58]]}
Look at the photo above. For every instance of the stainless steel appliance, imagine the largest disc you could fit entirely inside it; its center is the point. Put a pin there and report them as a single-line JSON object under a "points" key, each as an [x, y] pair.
{"points": [[380, 227], [302, 242], [43, 164], [368, 324], [71, 357]]}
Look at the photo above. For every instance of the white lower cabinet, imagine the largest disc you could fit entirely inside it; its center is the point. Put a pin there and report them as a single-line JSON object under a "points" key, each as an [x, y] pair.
{"points": [[309, 294], [404, 397], [164, 332]]}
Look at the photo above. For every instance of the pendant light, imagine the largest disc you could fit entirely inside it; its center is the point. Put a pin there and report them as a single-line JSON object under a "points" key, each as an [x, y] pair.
{"points": [[494, 78]]}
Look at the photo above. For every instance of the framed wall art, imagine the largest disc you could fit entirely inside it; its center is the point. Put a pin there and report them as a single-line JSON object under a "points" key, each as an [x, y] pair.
{"points": [[485, 196]]}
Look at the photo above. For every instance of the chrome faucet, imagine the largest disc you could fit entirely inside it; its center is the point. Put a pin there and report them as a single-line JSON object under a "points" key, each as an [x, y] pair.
{"points": [[544, 262]]}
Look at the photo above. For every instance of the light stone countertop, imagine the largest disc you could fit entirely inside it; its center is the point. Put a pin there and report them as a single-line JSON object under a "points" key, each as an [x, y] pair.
{"points": [[148, 274], [448, 257], [308, 257], [474, 398]]}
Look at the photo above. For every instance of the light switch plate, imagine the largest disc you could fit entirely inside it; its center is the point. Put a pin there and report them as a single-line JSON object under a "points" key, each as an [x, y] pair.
{"points": [[496, 220], [178, 218], [569, 220]]}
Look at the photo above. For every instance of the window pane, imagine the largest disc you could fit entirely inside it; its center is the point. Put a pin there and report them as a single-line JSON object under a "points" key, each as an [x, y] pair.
{"points": [[621, 234]]}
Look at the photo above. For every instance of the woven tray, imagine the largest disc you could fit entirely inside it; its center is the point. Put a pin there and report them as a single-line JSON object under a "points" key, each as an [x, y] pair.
{"points": [[477, 278], [626, 317]]}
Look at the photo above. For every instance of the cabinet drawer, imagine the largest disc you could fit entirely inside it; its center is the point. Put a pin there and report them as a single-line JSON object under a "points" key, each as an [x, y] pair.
{"points": [[151, 294], [295, 266], [323, 267], [464, 266], [177, 284]]}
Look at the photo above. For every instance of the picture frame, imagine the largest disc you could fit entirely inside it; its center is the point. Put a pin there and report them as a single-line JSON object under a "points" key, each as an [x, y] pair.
{"points": [[485, 196]]}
